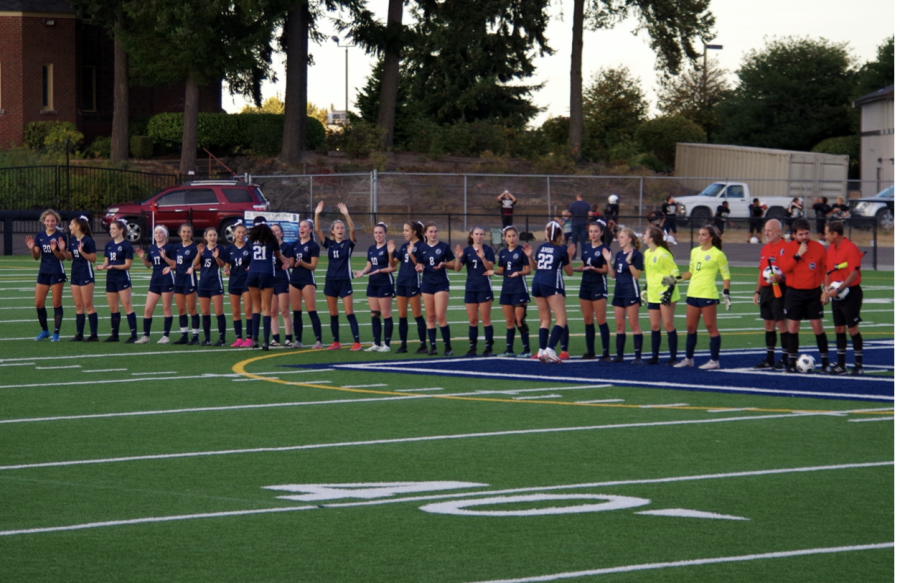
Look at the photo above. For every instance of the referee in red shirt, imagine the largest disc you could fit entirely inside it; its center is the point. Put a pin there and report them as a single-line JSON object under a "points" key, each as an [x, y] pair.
{"points": [[771, 308], [803, 264], [846, 312]]}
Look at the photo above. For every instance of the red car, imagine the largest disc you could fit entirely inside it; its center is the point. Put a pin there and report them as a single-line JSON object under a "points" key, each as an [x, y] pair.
{"points": [[204, 203]]}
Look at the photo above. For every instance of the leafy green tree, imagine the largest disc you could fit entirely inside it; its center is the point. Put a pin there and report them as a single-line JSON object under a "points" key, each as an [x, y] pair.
{"points": [[693, 97], [879, 73], [792, 94], [614, 107], [660, 136]]}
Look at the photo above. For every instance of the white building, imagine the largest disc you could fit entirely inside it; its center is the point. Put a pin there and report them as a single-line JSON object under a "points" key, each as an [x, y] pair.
{"points": [[877, 140]]}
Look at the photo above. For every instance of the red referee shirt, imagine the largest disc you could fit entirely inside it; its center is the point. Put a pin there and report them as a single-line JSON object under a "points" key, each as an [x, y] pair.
{"points": [[809, 271], [772, 251], [847, 251]]}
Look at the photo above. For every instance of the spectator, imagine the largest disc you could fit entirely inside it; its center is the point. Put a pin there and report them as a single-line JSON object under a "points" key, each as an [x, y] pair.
{"points": [[670, 209], [821, 208], [722, 214], [840, 210], [795, 211], [611, 212], [506, 201], [757, 211], [579, 211], [566, 221]]}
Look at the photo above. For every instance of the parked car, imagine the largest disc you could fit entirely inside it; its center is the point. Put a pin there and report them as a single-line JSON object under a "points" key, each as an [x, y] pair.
{"points": [[702, 207], [203, 203], [880, 206]]}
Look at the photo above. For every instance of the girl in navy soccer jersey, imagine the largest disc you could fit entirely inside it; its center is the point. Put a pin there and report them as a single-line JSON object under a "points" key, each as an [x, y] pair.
{"points": [[82, 251], [186, 285], [261, 278], [281, 297], [45, 247], [380, 291], [479, 297], [160, 258], [432, 260], [549, 260], [209, 261], [338, 277], [409, 284], [303, 283], [117, 261], [513, 265], [237, 258], [594, 292], [627, 268]]}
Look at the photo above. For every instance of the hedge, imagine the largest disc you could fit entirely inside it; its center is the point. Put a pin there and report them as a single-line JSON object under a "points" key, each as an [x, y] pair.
{"points": [[232, 132]]}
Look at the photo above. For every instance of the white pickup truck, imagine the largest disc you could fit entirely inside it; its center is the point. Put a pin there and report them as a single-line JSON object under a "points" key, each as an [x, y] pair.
{"points": [[702, 207]]}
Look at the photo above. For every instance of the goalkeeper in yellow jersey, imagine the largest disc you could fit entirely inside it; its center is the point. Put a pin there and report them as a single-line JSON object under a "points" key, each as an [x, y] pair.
{"points": [[661, 298]]}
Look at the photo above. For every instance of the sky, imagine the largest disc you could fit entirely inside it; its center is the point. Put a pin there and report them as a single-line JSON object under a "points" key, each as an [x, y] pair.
{"points": [[740, 28]]}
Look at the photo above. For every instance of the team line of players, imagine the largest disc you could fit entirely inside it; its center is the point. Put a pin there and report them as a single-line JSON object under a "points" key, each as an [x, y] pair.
{"points": [[270, 277]]}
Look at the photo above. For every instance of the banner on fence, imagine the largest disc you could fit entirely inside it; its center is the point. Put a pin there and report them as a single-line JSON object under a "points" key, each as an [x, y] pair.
{"points": [[289, 223]]}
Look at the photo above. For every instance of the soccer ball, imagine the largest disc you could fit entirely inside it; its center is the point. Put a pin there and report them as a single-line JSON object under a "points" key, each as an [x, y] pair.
{"points": [[772, 274], [806, 363], [754, 240], [841, 294]]}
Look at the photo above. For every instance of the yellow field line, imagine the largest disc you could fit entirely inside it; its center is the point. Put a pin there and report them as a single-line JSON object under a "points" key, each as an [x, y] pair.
{"points": [[240, 368]]}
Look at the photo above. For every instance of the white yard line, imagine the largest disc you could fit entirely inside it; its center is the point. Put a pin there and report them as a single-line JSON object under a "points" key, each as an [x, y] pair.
{"points": [[135, 374], [107, 370], [56, 367], [873, 419], [19, 364]]}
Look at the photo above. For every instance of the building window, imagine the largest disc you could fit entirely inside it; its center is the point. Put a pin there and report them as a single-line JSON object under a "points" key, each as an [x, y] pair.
{"points": [[89, 89], [47, 95]]}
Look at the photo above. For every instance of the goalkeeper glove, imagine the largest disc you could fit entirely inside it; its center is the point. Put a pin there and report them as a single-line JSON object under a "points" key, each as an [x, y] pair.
{"points": [[727, 294], [665, 297], [644, 296], [669, 280]]}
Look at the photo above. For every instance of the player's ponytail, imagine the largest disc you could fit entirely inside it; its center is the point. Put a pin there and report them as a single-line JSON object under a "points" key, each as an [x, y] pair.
{"points": [[658, 238], [418, 228], [84, 226], [635, 240], [714, 235], [554, 232]]}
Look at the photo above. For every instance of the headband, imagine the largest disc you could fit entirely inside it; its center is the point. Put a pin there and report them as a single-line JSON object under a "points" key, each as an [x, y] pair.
{"points": [[504, 229], [83, 218], [161, 228], [381, 224]]}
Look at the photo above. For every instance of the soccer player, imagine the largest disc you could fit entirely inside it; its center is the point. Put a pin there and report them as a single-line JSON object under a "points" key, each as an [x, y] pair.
{"points": [[338, 276], [433, 259], [117, 261], [380, 290], [659, 263], [409, 284], [237, 259], [186, 285], [548, 262], [771, 306], [627, 268], [82, 251], [261, 279], [303, 283], [702, 295], [281, 297], [514, 266], [844, 264], [479, 296], [162, 282], [209, 262], [592, 296], [45, 247], [803, 264]]}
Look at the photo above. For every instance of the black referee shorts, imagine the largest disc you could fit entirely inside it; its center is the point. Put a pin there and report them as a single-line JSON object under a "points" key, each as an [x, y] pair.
{"points": [[846, 312], [803, 304], [770, 307]]}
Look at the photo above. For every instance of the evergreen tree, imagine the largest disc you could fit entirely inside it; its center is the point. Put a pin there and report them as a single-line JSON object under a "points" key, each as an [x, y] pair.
{"points": [[693, 97]]}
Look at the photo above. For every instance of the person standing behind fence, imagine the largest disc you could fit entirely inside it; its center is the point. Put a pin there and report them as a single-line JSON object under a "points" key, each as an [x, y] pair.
{"points": [[670, 209], [409, 284], [821, 208], [756, 220], [580, 211], [82, 251], [45, 247], [507, 202], [723, 211]]}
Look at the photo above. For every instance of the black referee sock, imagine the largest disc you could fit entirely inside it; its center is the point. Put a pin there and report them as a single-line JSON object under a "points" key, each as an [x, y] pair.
{"points": [[689, 345], [421, 326], [564, 339], [93, 321], [785, 347], [79, 324], [207, 324], [620, 345], [794, 348], [316, 325], [604, 337], [655, 342], [673, 343], [489, 335], [115, 320], [510, 339], [858, 348], [822, 343], [403, 324], [771, 338], [445, 336], [57, 319], [388, 330], [335, 329], [840, 339], [589, 337], [354, 327], [42, 318], [298, 325], [473, 337]]}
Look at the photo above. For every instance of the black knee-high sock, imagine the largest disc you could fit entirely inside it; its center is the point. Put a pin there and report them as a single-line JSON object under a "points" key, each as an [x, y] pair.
{"points": [[275, 337], [316, 325], [115, 319], [57, 319], [857, 348], [42, 318], [421, 326], [388, 330], [604, 338], [510, 339], [376, 329], [526, 340], [132, 323], [473, 337], [183, 324], [195, 324], [620, 345], [267, 328], [771, 339], [335, 329], [93, 321], [238, 328], [673, 344], [79, 325], [638, 344], [564, 339], [822, 344], [298, 325], [148, 323], [254, 327], [690, 345], [556, 334], [432, 337], [489, 335], [354, 327], [840, 339], [794, 348], [590, 333], [543, 338], [715, 344], [785, 347], [404, 330], [655, 342], [207, 324], [445, 335], [220, 321], [167, 325]]}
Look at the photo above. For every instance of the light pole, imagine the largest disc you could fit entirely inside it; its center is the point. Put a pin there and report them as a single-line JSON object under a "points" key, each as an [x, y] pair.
{"points": [[712, 48], [346, 48]]}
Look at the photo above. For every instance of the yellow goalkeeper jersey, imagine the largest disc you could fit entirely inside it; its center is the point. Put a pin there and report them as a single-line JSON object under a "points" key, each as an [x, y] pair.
{"points": [[703, 268], [657, 265]]}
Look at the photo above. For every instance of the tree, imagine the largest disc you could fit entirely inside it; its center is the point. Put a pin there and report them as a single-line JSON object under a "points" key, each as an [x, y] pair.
{"points": [[673, 26], [879, 73], [660, 136], [270, 105], [614, 107], [689, 96], [792, 94]]}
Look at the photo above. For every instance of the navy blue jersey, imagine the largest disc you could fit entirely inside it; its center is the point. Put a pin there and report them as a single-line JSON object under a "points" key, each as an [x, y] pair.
{"points": [[379, 258], [550, 261], [184, 257], [338, 258], [50, 263], [117, 254], [262, 258], [81, 267], [429, 256], [301, 276], [407, 274], [593, 257], [238, 258], [626, 285], [158, 264], [476, 281], [513, 262], [210, 273], [287, 252]]}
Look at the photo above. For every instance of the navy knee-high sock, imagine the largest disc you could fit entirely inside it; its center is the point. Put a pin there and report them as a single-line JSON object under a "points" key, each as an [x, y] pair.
{"points": [[316, 325], [79, 326], [620, 345], [432, 337], [354, 327], [388, 330], [840, 340], [148, 323], [555, 335], [564, 339], [473, 337], [489, 336], [57, 319], [638, 345], [857, 348], [207, 324], [267, 328], [421, 326], [526, 340], [132, 323], [510, 339], [590, 333], [655, 342], [376, 329], [183, 324], [195, 324], [715, 344], [42, 318], [93, 320], [254, 327], [604, 338], [115, 321], [543, 337], [298, 325], [220, 321], [167, 325], [238, 328], [445, 335], [335, 329], [690, 345], [404, 330], [673, 344]]}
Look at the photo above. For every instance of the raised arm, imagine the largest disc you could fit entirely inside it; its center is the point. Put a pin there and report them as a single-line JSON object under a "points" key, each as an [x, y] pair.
{"points": [[318, 229], [350, 231]]}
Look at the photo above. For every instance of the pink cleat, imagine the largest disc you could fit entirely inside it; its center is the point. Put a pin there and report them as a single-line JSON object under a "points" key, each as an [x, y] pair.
{"points": [[238, 343], [248, 343]]}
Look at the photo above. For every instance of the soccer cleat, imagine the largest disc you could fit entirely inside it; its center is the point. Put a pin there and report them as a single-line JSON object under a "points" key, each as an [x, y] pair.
{"points": [[194, 341], [540, 354], [256, 344], [672, 362], [764, 365], [42, 336], [131, 340], [637, 361], [433, 351], [779, 365], [604, 358], [472, 352], [265, 347], [334, 346], [248, 343], [143, 340], [92, 338], [274, 344], [238, 343], [837, 369], [298, 345], [588, 356], [508, 354], [402, 349], [206, 343], [686, 363], [112, 339], [550, 356], [653, 360], [525, 354], [221, 342], [384, 348], [77, 338], [288, 344], [182, 340], [356, 347], [163, 340], [448, 351], [709, 365], [317, 345], [373, 348], [791, 369], [423, 350], [488, 351], [857, 371], [617, 359], [564, 355], [54, 338]]}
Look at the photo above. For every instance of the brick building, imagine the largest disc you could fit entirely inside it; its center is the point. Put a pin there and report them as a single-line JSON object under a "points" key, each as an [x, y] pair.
{"points": [[55, 66]]}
